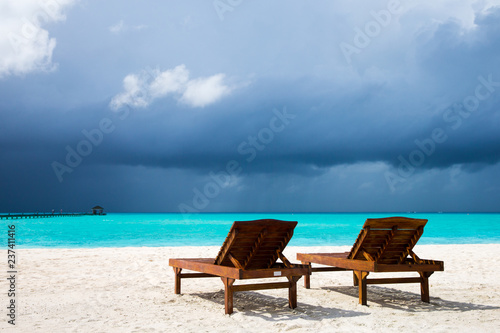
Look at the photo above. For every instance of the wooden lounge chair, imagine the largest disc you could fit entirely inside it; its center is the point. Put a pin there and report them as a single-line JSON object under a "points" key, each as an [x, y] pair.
{"points": [[383, 245], [250, 251]]}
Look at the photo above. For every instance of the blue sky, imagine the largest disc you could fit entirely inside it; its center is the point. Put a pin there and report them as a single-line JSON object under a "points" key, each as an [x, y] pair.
{"points": [[201, 106]]}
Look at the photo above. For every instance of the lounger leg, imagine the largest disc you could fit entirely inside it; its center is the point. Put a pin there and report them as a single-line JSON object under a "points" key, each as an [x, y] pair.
{"points": [[177, 271], [424, 286], [355, 279], [361, 276], [292, 291], [307, 278], [228, 294]]}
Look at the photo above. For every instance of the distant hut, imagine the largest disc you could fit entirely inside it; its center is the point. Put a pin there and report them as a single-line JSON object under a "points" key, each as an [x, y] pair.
{"points": [[97, 210]]}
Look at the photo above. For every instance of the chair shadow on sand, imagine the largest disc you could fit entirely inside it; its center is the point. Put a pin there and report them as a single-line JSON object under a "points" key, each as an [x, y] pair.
{"points": [[274, 308], [408, 301]]}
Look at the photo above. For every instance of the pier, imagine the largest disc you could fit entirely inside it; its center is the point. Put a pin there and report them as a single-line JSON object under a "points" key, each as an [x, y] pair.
{"points": [[95, 211], [17, 216]]}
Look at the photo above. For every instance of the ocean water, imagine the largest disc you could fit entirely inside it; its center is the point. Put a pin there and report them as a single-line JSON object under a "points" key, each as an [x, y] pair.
{"points": [[170, 229]]}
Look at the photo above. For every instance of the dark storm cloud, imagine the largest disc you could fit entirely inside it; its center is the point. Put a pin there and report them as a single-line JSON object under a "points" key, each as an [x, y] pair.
{"points": [[337, 131], [359, 120], [330, 127]]}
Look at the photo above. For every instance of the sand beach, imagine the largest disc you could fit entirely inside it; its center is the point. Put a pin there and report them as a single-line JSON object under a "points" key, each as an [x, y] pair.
{"points": [[132, 290]]}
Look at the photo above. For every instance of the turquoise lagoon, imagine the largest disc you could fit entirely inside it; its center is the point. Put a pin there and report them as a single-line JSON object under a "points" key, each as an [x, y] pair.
{"points": [[172, 229]]}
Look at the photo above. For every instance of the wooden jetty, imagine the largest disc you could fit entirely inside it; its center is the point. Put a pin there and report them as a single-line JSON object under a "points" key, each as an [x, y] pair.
{"points": [[40, 215], [97, 210]]}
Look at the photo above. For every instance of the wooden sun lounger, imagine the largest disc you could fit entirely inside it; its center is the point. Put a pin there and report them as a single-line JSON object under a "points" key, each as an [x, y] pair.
{"points": [[250, 251], [383, 245]]}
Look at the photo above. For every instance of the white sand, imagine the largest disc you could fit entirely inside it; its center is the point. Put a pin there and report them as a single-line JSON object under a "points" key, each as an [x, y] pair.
{"points": [[131, 290]]}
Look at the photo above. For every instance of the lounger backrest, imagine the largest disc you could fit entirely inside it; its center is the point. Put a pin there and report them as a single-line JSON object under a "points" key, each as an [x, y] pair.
{"points": [[387, 240], [255, 244]]}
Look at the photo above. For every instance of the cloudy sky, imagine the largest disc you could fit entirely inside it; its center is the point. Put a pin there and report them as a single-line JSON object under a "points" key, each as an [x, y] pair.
{"points": [[237, 105]]}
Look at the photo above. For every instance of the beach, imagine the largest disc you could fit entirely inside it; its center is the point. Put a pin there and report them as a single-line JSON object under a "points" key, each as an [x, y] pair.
{"points": [[131, 289]]}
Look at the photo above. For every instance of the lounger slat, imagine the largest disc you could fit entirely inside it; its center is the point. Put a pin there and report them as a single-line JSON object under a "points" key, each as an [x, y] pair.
{"points": [[398, 238], [401, 222], [277, 234]]}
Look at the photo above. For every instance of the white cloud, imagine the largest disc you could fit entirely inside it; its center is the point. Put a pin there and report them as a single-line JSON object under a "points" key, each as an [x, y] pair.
{"points": [[134, 95], [25, 46], [141, 89], [121, 27], [170, 81], [117, 27], [204, 91]]}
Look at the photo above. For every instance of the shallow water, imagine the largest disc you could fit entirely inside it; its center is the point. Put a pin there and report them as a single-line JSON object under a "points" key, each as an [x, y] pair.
{"points": [[170, 229]]}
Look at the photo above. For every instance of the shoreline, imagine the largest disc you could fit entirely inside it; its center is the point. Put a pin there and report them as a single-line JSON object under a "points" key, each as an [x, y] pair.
{"points": [[130, 289]]}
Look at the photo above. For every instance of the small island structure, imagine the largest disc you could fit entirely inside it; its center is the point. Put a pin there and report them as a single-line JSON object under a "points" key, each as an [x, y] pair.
{"points": [[98, 210]]}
